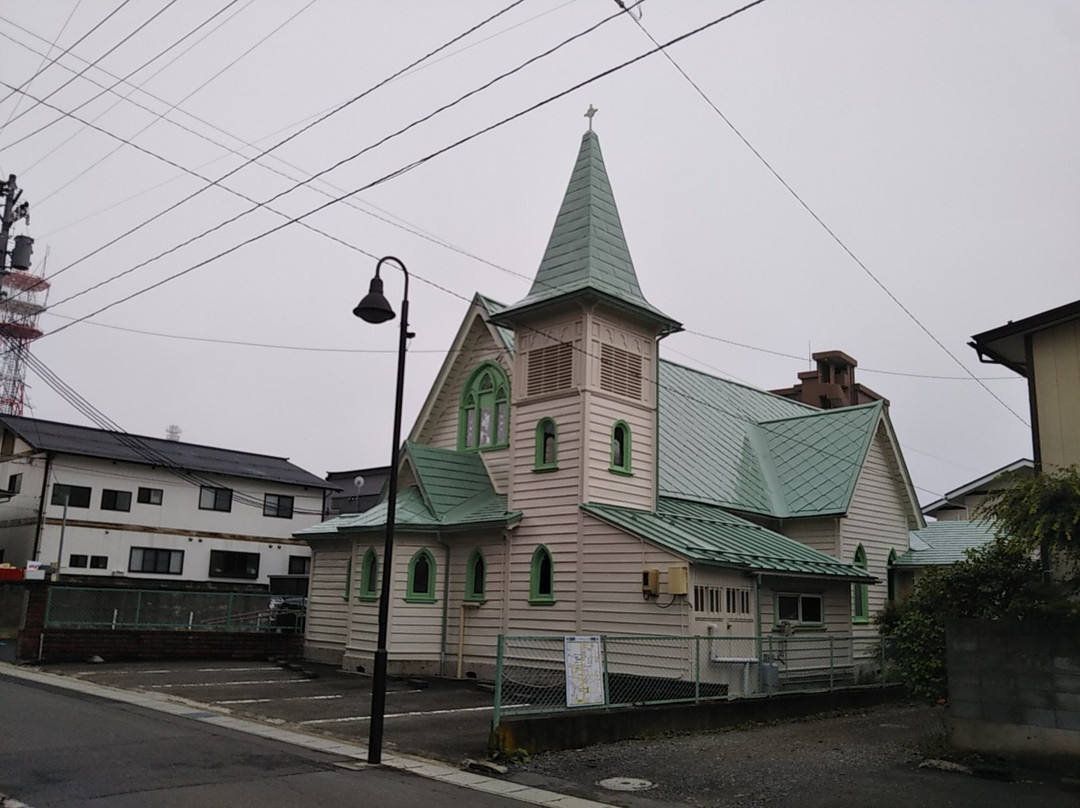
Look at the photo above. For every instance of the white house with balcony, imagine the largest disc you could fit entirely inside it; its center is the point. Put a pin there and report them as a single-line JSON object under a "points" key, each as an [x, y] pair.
{"points": [[101, 503]]}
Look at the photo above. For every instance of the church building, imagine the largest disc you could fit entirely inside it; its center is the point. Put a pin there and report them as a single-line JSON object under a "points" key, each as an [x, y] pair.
{"points": [[562, 479]]}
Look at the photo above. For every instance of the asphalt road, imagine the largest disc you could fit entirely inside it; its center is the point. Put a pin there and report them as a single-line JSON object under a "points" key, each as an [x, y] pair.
{"points": [[59, 749]]}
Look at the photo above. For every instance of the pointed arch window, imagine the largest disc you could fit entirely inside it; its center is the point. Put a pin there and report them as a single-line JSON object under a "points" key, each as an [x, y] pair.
{"points": [[484, 417], [475, 577], [547, 446], [421, 588], [369, 576], [620, 448], [542, 578], [860, 612]]}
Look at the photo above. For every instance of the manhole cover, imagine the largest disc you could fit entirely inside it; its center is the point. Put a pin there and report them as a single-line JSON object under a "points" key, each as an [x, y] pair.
{"points": [[626, 784]]}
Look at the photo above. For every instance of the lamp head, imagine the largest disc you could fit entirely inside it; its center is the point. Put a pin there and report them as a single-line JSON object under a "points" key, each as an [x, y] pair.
{"points": [[374, 308]]}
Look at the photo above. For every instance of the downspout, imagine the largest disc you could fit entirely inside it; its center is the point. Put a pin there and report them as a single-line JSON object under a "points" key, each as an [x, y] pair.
{"points": [[445, 603], [41, 506]]}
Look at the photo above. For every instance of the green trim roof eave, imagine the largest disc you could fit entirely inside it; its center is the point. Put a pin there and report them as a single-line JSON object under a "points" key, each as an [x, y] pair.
{"points": [[705, 534]]}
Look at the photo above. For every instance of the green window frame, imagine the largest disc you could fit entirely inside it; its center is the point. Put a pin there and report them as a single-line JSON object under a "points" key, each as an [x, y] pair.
{"points": [[890, 577], [547, 446], [860, 593], [369, 576], [422, 574], [484, 413], [542, 577], [621, 448], [476, 577]]}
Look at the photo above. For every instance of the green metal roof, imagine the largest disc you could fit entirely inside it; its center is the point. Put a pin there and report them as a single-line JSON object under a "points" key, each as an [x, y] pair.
{"points": [[709, 535], [735, 446], [453, 492], [587, 251], [945, 542], [493, 307]]}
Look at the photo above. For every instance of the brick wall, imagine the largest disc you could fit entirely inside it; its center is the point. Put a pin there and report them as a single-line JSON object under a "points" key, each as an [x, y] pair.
{"points": [[1014, 688]]}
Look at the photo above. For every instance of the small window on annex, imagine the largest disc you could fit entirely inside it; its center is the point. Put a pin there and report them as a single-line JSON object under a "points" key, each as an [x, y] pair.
{"points": [[542, 577], [484, 419], [369, 576], [799, 609], [890, 577], [860, 609], [475, 573], [620, 448], [547, 446], [421, 587]]}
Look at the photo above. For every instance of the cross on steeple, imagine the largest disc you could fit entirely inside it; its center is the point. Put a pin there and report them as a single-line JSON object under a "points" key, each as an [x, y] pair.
{"points": [[592, 111]]}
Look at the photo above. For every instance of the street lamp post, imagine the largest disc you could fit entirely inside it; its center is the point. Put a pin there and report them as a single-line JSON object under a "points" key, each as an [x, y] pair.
{"points": [[374, 308]]}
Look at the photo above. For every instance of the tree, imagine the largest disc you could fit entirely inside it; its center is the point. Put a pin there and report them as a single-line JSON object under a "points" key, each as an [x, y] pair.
{"points": [[1040, 512]]}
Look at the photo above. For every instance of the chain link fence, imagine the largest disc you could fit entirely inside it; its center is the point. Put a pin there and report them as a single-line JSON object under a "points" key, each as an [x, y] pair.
{"points": [[544, 674], [87, 607]]}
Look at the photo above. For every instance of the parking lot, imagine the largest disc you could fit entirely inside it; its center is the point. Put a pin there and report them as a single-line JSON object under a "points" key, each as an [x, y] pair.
{"points": [[443, 720]]}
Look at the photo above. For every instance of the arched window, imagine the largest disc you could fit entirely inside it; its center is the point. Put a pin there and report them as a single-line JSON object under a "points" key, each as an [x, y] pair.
{"points": [[890, 577], [369, 576], [421, 588], [620, 448], [547, 446], [860, 612], [542, 577], [484, 418], [475, 572]]}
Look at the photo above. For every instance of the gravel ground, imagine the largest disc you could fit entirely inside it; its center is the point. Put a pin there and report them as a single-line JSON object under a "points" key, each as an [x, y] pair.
{"points": [[870, 757]]}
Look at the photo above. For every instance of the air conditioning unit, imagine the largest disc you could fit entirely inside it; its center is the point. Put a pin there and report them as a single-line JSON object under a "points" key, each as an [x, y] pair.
{"points": [[677, 580]]}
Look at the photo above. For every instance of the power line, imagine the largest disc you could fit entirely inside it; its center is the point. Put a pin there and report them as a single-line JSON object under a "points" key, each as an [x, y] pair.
{"points": [[822, 223], [40, 67], [413, 165], [66, 50], [153, 17]]}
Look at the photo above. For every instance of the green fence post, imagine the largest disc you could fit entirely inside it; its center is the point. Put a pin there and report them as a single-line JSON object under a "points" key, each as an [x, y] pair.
{"points": [[138, 606], [497, 714], [697, 669], [832, 664]]}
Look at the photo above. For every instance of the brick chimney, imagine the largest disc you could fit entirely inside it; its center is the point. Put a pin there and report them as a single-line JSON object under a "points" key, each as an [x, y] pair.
{"points": [[831, 385]]}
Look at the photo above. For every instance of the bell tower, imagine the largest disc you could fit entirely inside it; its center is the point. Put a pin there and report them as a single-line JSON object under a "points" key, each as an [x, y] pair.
{"points": [[583, 414]]}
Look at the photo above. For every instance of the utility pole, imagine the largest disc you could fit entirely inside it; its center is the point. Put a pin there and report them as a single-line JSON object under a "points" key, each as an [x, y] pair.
{"points": [[13, 211]]}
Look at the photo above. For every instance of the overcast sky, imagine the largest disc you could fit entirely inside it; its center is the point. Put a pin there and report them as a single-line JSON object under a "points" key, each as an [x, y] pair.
{"points": [[936, 140]]}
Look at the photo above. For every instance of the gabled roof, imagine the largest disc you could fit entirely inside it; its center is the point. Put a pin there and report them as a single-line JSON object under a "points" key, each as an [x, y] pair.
{"points": [[709, 535], [84, 441], [1006, 345], [493, 307], [738, 447], [587, 251], [979, 486], [453, 492], [945, 542]]}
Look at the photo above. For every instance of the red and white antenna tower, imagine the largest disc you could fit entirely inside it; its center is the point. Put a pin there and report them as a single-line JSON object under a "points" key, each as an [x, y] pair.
{"points": [[22, 300]]}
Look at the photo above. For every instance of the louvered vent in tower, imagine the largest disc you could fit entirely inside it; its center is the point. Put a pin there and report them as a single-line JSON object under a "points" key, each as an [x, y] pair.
{"points": [[620, 372], [550, 369]]}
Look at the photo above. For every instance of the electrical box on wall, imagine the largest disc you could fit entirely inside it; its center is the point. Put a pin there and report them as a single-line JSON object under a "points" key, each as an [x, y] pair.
{"points": [[650, 581], [676, 580]]}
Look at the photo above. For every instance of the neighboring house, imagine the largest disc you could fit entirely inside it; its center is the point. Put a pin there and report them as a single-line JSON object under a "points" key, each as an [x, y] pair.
{"points": [[562, 479], [357, 490], [150, 508], [957, 530], [1045, 350], [961, 503]]}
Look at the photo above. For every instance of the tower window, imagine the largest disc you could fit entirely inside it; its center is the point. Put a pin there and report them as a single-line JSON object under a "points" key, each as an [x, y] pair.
{"points": [[620, 448], [550, 369], [620, 372], [542, 577], [547, 446], [485, 409]]}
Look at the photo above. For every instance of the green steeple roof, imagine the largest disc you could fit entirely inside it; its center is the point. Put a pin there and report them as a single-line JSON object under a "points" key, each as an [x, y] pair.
{"points": [[587, 251]]}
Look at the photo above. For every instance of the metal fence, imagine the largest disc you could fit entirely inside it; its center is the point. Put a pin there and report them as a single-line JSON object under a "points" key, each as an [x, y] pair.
{"points": [[87, 607], [544, 674]]}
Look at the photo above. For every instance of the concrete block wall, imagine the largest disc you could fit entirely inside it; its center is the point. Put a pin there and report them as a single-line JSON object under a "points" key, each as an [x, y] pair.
{"points": [[1014, 687]]}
